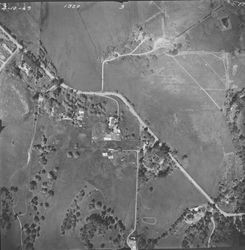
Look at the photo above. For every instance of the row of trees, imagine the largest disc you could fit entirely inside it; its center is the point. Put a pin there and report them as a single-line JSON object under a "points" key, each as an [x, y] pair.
{"points": [[6, 215], [233, 108]]}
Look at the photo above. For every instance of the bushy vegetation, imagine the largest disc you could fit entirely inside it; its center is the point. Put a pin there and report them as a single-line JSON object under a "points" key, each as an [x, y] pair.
{"points": [[6, 216]]}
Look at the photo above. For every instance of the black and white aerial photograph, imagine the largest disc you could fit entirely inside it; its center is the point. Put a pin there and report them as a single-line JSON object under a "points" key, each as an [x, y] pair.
{"points": [[122, 125]]}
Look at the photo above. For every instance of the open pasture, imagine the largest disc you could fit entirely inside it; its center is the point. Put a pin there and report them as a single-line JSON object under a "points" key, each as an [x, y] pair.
{"points": [[166, 202], [89, 167], [181, 101]]}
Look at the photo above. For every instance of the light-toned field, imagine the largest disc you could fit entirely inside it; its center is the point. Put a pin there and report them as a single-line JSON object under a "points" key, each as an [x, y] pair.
{"points": [[68, 44], [77, 39], [181, 15], [237, 71], [14, 102], [173, 100], [15, 139], [16, 136], [14, 143]]}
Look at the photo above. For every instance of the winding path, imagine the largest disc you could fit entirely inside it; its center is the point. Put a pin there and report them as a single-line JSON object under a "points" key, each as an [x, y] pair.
{"points": [[120, 96], [212, 232], [113, 58]]}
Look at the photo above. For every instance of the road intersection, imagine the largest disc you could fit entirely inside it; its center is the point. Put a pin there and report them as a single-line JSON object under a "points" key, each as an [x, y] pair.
{"points": [[143, 124], [18, 47]]}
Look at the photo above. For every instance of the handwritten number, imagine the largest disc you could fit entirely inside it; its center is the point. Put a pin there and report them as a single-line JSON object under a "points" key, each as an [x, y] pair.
{"points": [[4, 6], [72, 6]]}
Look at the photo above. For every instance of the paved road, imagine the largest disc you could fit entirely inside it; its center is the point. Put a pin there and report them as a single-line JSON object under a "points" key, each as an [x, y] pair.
{"points": [[11, 38], [143, 124], [8, 60], [201, 190], [48, 73], [228, 214], [120, 96], [12, 53], [197, 186]]}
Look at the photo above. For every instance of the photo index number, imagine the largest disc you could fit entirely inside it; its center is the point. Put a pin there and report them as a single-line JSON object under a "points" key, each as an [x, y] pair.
{"points": [[72, 6]]}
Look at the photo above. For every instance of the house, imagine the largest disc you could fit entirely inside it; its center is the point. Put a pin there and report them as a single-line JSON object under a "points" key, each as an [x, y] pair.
{"points": [[105, 154], [80, 115], [108, 155], [112, 122], [108, 137]]}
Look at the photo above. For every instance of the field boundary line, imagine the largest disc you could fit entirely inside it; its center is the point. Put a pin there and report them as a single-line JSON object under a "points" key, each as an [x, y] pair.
{"points": [[196, 82]]}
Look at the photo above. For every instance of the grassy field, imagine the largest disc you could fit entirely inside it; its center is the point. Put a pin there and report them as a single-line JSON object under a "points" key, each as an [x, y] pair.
{"points": [[181, 15], [68, 44], [24, 24], [14, 143], [130, 127], [172, 241], [76, 39], [14, 102], [208, 34], [179, 111], [169, 93], [170, 196], [12, 239], [237, 75], [202, 71], [15, 139], [90, 167]]}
